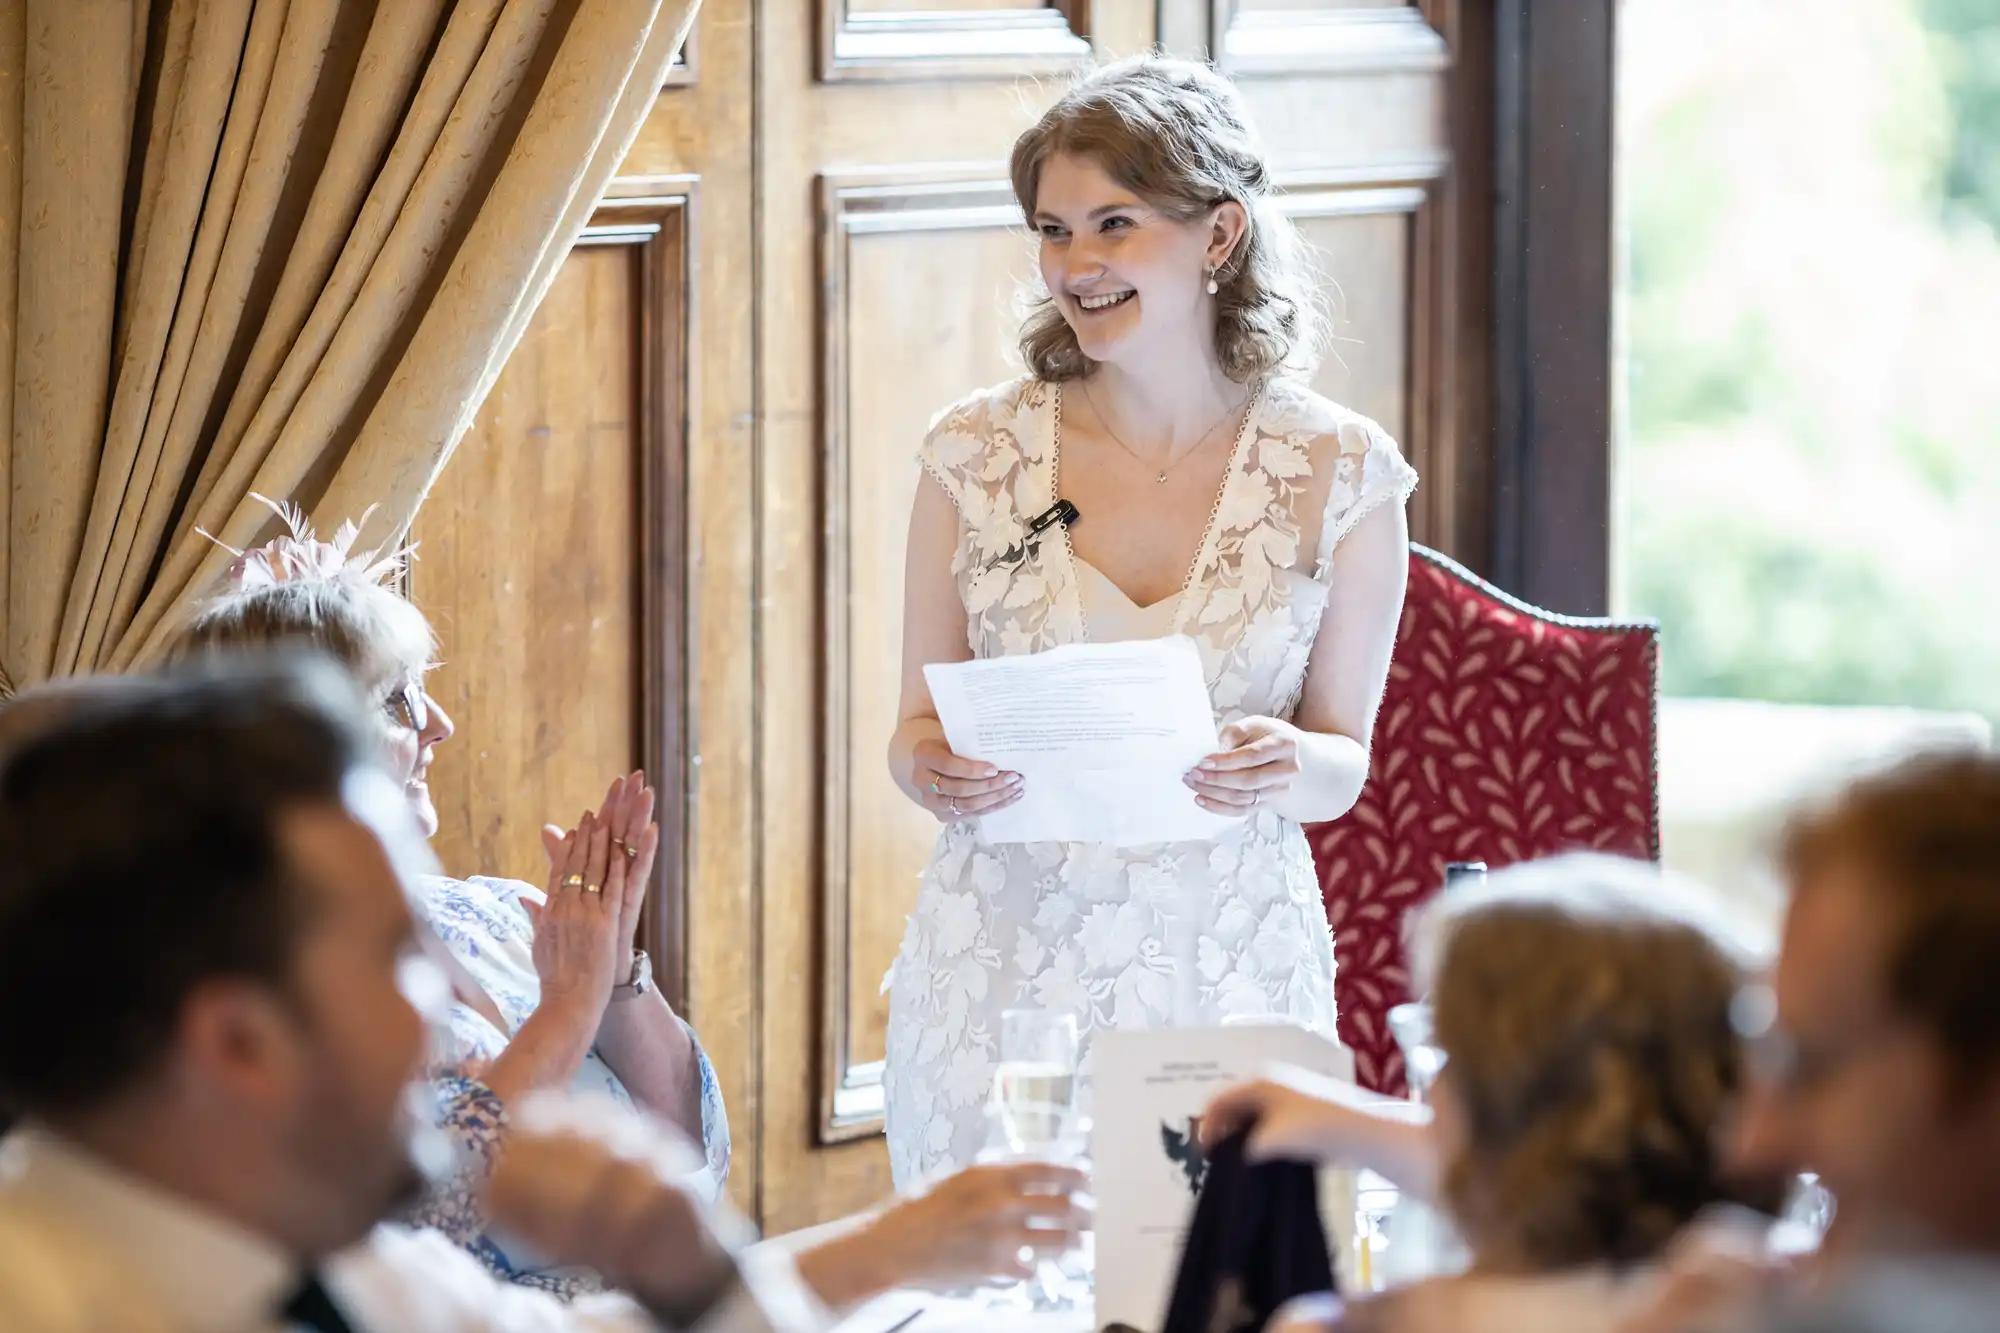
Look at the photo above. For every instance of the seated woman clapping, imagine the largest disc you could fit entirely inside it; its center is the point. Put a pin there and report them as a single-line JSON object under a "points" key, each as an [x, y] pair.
{"points": [[1582, 1007], [549, 988]]}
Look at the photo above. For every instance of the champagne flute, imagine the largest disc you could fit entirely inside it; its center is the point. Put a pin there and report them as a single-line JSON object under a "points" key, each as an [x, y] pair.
{"points": [[1034, 1085], [1422, 1060], [1034, 1113]]}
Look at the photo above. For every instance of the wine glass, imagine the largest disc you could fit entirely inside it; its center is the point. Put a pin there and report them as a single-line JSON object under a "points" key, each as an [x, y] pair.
{"points": [[1803, 1222], [1410, 1024], [1034, 1114], [1034, 1084]]}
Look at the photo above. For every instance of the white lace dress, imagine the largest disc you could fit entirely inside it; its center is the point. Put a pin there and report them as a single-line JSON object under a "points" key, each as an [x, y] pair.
{"points": [[1181, 934]]}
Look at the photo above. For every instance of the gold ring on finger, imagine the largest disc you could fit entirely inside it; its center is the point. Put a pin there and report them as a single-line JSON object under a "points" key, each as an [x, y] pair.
{"points": [[593, 888], [629, 850], [935, 789], [572, 881]]}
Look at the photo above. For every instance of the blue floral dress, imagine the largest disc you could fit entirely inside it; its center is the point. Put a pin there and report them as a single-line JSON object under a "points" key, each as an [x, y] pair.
{"points": [[483, 923]]}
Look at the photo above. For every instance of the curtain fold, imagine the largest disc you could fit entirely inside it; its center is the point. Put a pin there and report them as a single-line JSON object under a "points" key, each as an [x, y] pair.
{"points": [[77, 64], [13, 58], [339, 219], [508, 261]]}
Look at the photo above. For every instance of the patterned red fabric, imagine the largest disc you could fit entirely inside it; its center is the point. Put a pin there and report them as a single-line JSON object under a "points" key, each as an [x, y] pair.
{"points": [[1506, 734]]}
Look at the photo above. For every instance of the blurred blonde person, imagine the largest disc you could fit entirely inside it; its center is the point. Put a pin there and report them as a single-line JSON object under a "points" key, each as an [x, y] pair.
{"points": [[1583, 1008]]}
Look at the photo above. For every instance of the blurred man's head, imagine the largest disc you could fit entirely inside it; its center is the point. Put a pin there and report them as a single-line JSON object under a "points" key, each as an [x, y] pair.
{"points": [[205, 947], [39, 707], [1882, 1065]]}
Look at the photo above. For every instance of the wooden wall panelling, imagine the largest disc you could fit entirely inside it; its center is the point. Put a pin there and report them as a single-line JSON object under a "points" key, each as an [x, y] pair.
{"points": [[979, 39], [652, 221], [828, 127], [1375, 232], [1381, 205], [553, 570], [683, 73], [1552, 122], [701, 130], [885, 236], [871, 222], [517, 572], [1463, 332], [1250, 38]]}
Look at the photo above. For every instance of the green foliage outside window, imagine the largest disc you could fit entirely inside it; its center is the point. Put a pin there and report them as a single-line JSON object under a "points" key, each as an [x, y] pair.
{"points": [[1809, 469]]}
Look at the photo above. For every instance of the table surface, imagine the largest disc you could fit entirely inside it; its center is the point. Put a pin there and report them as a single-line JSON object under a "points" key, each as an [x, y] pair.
{"points": [[914, 1311], [927, 1312]]}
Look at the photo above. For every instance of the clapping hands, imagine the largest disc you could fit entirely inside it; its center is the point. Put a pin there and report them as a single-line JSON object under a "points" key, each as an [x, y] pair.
{"points": [[598, 871]]}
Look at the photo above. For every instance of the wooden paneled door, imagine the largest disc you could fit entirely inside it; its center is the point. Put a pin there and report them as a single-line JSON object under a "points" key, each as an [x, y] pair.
{"points": [[889, 249]]}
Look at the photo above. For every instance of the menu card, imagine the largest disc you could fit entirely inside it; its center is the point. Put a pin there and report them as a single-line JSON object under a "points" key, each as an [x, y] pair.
{"points": [[1149, 1089]]}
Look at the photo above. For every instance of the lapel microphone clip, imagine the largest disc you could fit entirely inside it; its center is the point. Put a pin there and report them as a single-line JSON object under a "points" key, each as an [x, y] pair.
{"points": [[1062, 511]]}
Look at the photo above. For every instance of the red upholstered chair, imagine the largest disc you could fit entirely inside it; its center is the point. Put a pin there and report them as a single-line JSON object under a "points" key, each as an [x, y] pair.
{"points": [[1507, 733]]}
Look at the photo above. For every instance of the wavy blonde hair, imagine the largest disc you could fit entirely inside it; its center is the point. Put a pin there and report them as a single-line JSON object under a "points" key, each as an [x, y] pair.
{"points": [[1176, 134], [1583, 1007]]}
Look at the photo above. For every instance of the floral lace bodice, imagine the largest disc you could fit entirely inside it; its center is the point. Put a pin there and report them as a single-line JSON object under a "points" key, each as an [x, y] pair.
{"points": [[1180, 934]]}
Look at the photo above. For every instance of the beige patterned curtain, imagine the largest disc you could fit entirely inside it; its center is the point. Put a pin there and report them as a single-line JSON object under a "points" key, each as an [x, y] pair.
{"points": [[280, 246]]}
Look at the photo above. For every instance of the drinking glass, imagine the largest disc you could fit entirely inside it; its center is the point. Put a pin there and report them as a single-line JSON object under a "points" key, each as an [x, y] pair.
{"points": [[1034, 1115], [1034, 1085], [1807, 1213], [1410, 1024]]}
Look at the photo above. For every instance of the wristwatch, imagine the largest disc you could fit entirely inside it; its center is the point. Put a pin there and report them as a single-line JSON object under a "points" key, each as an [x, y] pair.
{"points": [[639, 982]]}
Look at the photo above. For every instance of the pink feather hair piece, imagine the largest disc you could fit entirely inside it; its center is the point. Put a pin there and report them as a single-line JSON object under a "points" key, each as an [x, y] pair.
{"points": [[298, 555]]}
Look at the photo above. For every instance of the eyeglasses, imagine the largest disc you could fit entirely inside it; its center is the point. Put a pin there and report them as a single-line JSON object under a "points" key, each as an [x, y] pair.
{"points": [[1786, 1062], [407, 707]]}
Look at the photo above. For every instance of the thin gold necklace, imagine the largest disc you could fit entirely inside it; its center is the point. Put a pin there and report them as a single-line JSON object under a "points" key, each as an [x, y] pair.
{"points": [[1161, 478]]}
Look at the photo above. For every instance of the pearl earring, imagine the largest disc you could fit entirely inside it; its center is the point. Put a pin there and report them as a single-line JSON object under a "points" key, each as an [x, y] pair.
{"points": [[1212, 288]]}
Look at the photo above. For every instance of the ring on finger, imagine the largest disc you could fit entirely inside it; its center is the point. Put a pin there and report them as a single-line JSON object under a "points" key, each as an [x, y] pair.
{"points": [[951, 804], [935, 789], [572, 881], [593, 888], [629, 850]]}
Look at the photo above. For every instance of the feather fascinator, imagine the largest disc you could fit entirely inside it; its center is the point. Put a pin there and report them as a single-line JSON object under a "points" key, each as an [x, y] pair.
{"points": [[298, 555]]}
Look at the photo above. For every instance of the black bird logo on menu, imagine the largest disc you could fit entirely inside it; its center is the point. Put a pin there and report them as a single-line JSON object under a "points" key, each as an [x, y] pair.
{"points": [[1184, 1149]]}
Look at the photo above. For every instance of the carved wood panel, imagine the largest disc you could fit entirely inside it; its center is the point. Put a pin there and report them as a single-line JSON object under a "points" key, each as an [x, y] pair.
{"points": [[1375, 234], [886, 238], [980, 39], [1264, 37], [551, 565]]}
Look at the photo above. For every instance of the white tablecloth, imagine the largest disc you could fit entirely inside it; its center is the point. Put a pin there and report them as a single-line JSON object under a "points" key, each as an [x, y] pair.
{"points": [[911, 1311], [923, 1312]]}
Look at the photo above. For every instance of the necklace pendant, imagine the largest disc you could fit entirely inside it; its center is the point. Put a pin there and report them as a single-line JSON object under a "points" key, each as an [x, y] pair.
{"points": [[1162, 479]]}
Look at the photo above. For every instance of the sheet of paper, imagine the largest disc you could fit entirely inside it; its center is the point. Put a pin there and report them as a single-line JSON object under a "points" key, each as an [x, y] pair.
{"points": [[1101, 734], [1148, 1090]]}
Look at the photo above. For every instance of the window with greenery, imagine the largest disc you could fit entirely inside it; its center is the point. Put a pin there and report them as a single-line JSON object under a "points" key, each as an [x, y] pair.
{"points": [[1808, 475]]}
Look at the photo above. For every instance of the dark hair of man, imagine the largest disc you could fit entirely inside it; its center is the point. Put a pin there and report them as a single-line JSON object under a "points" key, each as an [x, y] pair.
{"points": [[1924, 836], [140, 857]]}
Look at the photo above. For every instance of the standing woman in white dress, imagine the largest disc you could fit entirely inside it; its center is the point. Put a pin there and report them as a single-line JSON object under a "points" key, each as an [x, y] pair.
{"points": [[1220, 498]]}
